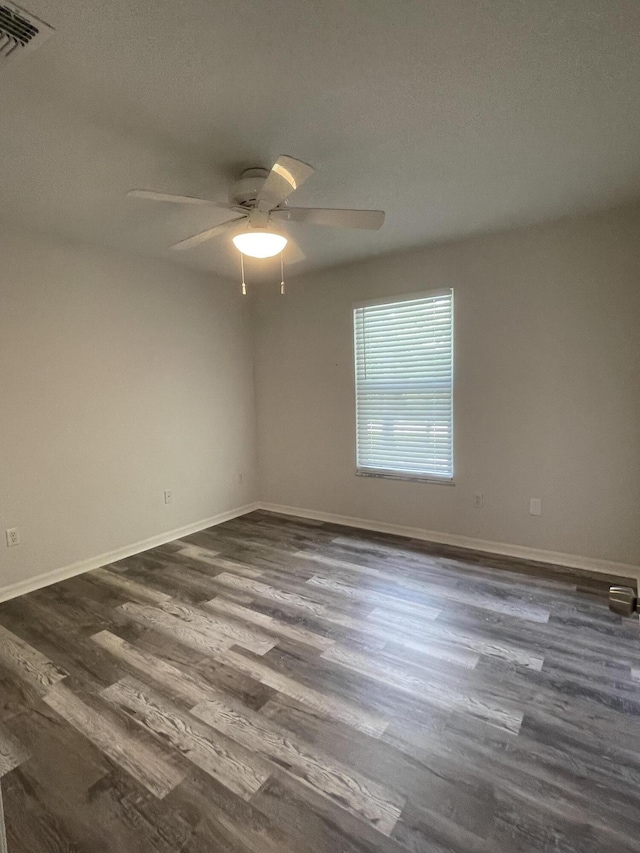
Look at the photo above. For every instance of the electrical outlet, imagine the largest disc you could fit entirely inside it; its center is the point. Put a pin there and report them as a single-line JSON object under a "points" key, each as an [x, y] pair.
{"points": [[168, 496], [535, 506], [13, 537], [478, 500]]}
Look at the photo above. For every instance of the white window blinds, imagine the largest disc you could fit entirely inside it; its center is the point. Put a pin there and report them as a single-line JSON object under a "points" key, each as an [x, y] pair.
{"points": [[404, 386]]}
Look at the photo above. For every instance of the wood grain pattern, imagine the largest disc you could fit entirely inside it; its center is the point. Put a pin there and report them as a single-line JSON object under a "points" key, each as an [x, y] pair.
{"points": [[310, 606], [12, 753], [279, 685], [431, 691], [482, 645], [212, 623], [172, 626], [519, 610], [222, 604], [130, 589], [173, 681], [238, 769], [27, 663], [145, 763], [358, 795], [330, 705]]}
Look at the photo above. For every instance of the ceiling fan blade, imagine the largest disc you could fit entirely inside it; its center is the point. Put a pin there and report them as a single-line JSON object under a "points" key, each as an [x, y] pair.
{"points": [[209, 234], [150, 195], [292, 253], [367, 219], [286, 175]]}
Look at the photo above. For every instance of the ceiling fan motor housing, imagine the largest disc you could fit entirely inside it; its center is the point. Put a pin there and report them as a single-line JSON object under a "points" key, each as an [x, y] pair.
{"points": [[245, 191]]}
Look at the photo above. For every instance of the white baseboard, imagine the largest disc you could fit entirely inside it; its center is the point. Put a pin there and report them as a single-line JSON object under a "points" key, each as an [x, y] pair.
{"points": [[571, 561], [537, 555], [22, 587]]}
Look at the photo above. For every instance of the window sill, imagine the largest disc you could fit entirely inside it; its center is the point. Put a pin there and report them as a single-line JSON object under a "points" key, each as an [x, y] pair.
{"points": [[414, 478]]}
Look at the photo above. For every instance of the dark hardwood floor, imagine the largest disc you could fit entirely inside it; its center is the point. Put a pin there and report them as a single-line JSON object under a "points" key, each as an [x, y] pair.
{"points": [[273, 685]]}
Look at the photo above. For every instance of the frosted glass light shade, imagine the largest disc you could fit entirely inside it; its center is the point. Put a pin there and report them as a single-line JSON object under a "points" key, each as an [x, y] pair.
{"points": [[259, 244]]}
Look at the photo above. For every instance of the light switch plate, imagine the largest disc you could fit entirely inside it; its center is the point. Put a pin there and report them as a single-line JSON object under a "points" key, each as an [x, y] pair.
{"points": [[535, 506]]}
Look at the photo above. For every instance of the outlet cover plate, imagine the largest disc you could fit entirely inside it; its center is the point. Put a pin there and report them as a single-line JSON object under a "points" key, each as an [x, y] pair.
{"points": [[535, 506], [13, 537]]}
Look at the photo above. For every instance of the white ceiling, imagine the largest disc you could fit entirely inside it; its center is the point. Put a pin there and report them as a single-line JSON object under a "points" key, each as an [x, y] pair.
{"points": [[455, 116]]}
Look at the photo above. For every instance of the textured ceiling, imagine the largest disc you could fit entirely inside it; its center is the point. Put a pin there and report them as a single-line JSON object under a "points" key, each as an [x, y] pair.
{"points": [[455, 116]]}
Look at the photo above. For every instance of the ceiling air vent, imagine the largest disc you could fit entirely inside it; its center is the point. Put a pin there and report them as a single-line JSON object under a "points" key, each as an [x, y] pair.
{"points": [[20, 31]]}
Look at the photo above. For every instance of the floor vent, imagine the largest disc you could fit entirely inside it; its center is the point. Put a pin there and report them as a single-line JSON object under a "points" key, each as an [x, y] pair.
{"points": [[20, 31]]}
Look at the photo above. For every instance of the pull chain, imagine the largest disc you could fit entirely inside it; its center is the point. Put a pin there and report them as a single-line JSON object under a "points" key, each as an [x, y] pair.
{"points": [[281, 275], [244, 286]]}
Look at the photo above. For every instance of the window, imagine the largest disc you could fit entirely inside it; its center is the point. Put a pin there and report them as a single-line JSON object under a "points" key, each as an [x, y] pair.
{"points": [[404, 386]]}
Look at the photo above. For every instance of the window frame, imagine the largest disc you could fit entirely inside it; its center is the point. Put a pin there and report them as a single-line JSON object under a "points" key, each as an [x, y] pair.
{"points": [[387, 474]]}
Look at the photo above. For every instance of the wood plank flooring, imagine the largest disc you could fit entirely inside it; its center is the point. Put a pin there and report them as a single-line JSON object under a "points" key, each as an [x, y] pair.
{"points": [[275, 685]]}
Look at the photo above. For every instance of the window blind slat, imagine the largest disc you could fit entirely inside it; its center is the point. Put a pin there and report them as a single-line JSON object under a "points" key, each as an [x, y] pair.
{"points": [[404, 386]]}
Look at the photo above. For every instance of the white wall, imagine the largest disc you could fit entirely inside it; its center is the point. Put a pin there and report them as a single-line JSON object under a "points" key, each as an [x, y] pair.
{"points": [[547, 399], [119, 378], [122, 377]]}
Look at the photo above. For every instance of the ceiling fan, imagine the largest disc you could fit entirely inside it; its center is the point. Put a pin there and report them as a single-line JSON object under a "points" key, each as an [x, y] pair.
{"points": [[259, 201]]}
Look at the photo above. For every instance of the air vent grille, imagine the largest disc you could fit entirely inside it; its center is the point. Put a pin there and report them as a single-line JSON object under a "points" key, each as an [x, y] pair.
{"points": [[19, 31]]}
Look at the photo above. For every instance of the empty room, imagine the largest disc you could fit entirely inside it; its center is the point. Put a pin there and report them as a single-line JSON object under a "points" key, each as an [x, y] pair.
{"points": [[320, 426]]}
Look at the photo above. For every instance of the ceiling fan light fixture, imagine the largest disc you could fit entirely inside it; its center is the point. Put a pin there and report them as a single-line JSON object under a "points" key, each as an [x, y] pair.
{"points": [[259, 243], [260, 198]]}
